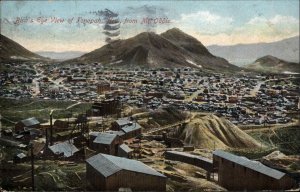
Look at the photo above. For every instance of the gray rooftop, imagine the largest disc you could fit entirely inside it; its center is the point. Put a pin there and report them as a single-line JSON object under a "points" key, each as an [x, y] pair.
{"points": [[132, 127], [123, 121], [107, 165], [190, 155], [30, 122], [254, 165], [67, 148], [125, 148], [105, 138]]}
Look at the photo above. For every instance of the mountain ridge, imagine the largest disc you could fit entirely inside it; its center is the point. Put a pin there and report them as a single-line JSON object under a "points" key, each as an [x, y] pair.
{"points": [[241, 54]]}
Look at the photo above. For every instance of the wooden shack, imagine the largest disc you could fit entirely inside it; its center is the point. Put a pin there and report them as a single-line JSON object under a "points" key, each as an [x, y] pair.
{"points": [[106, 143], [125, 151], [110, 173], [28, 123], [239, 173]]}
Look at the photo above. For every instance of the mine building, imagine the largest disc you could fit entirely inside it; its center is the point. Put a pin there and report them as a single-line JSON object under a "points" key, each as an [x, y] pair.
{"points": [[125, 151], [239, 173], [110, 173], [131, 129], [63, 150], [106, 143], [26, 123]]}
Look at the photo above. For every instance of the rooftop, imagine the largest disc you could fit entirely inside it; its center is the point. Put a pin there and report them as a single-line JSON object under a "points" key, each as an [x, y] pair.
{"points": [[107, 165], [105, 138], [254, 165]]}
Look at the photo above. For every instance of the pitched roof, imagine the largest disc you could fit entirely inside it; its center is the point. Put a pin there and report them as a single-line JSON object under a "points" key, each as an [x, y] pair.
{"points": [[67, 148], [105, 138], [132, 127], [107, 165], [254, 165], [30, 122], [190, 156], [125, 148]]}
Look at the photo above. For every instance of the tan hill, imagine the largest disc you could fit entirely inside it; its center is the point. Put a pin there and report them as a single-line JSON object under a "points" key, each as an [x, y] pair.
{"points": [[10, 50], [214, 132], [274, 65], [150, 50]]}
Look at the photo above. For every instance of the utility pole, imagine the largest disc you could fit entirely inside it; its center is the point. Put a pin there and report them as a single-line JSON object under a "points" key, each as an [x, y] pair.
{"points": [[51, 129], [32, 167]]}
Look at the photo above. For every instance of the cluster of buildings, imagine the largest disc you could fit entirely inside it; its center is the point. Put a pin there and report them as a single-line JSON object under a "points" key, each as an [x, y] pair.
{"points": [[241, 99]]}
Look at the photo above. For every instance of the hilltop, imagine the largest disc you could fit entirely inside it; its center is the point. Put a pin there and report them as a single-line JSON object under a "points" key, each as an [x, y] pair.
{"points": [[274, 65]]}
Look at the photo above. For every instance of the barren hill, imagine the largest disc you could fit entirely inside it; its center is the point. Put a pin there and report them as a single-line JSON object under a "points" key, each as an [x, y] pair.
{"points": [[171, 49], [211, 131], [274, 65], [10, 50]]}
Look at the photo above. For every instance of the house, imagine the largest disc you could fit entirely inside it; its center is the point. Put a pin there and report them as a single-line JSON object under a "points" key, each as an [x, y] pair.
{"points": [[131, 129], [125, 151], [64, 149], [246, 174], [106, 143], [110, 173], [28, 123]]}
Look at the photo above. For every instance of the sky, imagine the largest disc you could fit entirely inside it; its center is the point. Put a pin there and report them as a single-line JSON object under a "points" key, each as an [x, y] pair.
{"points": [[34, 24]]}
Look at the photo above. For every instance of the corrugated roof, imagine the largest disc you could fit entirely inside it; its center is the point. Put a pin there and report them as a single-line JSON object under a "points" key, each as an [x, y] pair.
{"points": [[68, 149], [30, 122], [125, 148], [132, 127], [105, 138], [190, 155], [254, 165], [108, 165], [123, 121]]}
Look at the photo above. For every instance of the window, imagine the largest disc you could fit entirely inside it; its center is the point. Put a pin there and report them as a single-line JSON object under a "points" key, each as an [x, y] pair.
{"points": [[233, 165]]}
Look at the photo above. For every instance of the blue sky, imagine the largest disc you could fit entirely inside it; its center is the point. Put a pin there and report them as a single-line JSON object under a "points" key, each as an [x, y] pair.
{"points": [[211, 22]]}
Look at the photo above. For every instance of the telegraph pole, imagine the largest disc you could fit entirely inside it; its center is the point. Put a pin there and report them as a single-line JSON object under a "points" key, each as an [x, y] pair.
{"points": [[32, 167]]}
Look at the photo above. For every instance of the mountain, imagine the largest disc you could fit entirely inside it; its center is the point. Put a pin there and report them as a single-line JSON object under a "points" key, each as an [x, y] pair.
{"points": [[274, 65], [213, 132], [171, 49], [10, 50], [241, 54], [60, 55]]}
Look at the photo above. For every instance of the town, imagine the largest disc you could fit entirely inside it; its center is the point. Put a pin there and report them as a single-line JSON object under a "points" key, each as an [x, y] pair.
{"points": [[129, 134]]}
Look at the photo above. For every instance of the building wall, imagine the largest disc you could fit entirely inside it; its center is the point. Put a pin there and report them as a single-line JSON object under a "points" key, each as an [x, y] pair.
{"points": [[97, 181], [135, 181], [233, 176]]}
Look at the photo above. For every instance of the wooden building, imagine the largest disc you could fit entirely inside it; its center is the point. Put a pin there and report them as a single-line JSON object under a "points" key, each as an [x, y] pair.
{"points": [[110, 173], [26, 123], [125, 151], [106, 143], [102, 87], [63, 150], [240, 173], [130, 129], [195, 160]]}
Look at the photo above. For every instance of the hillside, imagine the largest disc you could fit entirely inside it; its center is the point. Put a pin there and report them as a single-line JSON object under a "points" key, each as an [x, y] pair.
{"points": [[274, 65], [150, 50], [10, 50], [214, 132], [241, 54]]}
